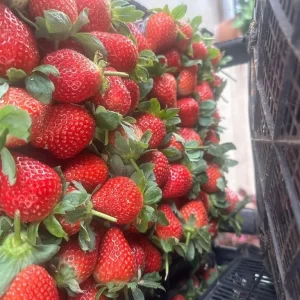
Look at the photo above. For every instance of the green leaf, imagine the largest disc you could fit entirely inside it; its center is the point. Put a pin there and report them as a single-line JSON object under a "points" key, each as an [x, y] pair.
{"points": [[179, 12], [196, 22], [3, 136], [54, 227], [121, 143], [8, 166], [117, 165], [208, 105], [190, 254], [221, 184], [6, 226], [152, 195], [4, 88], [87, 237], [126, 14], [83, 19], [33, 232], [15, 75], [140, 74], [148, 213], [213, 52], [90, 44], [57, 22], [172, 153], [107, 120], [40, 87], [162, 219], [138, 294], [227, 147], [47, 70]]}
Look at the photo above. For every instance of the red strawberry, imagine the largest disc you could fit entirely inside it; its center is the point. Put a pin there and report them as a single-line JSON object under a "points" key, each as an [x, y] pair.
{"points": [[89, 291], [204, 198], [18, 48], [141, 40], [217, 81], [204, 91], [68, 129], [188, 112], [187, 30], [212, 137], [119, 197], [187, 81], [116, 97], [173, 59], [115, 262], [174, 229], [69, 228], [199, 50], [232, 199], [79, 77], [99, 14], [33, 282], [36, 191], [153, 259], [178, 183], [148, 121], [164, 89], [134, 91], [88, 169], [81, 263], [197, 209], [213, 174], [37, 7], [138, 253], [21, 99], [211, 272], [178, 297], [217, 117], [161, 166], [161, 32], [213, 228], [175, 144], [215, 61], [122, 53], [190, 134]]}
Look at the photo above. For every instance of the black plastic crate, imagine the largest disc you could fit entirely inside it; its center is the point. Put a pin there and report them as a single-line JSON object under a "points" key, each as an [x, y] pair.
{"points": [[245, 279], [275, 126]]}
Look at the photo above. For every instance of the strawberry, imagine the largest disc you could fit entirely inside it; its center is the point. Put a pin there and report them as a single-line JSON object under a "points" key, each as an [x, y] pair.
{"points": [[210, 273], [174, 229], [199, 50], [134, 92], [37, 7], [79, 77], [88, 169], [18, 47], [115, 262], [119, 197], [217, 117], [33, 282], [99, 14], [175, 144], [116, 97], [20, 98], [164, 89], [212, 137], [74, 264], [213, 228], [217, 81], [89, 291], [161, 32], [161, 168], [153, 259], [197, 209], [148, 121], [187, 30], [141, 40], [188, 112], [232, 199], [122, 53], [190, 134], [67, 130], [138, 253], [178, 183], [204, 91], [69, 228], [173, 59], [187, 81], [36, 191], [178, 297], [214, 175], [215, 61]]}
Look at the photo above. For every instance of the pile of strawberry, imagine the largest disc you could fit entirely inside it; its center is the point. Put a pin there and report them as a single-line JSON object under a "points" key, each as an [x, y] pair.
{"points": [[110, 156]]}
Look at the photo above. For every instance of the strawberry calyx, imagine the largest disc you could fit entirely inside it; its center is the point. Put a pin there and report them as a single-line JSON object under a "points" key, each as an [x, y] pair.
{"points": [[177, 12], [207, 109], [170, 150], [14, 122], [20, 249]]}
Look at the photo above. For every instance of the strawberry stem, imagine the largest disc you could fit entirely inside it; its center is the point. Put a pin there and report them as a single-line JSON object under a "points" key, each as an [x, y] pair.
{"points": [[103, 216], [56, 44], [188, 238], [136, 167], [17, 229], [166, 265], [126, 295], [106, 137], [113, 73]]}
